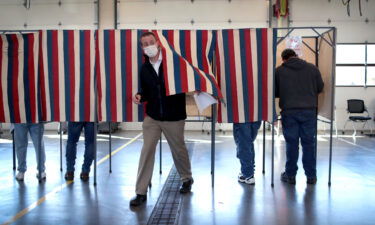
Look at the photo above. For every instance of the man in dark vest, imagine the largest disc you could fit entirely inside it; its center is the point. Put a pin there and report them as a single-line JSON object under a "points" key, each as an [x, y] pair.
{"points": [[165, 114]]}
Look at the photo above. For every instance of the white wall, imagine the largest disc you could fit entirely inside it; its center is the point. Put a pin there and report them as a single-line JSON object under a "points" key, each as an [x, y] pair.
{"points": [[106, 14], [207, 14], [349, 29], [48, 14]]}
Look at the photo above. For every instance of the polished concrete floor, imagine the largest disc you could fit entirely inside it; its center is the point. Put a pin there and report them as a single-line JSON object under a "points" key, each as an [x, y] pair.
{"points": [[349, 200]]}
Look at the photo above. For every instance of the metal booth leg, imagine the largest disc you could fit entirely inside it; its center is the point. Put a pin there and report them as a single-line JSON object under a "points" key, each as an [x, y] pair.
{"points": [[14, 152], [213, 121], [264, 147], [160, 155], [95, 150], [273, 154], [40, 153], [61, 146], [110, 147]]}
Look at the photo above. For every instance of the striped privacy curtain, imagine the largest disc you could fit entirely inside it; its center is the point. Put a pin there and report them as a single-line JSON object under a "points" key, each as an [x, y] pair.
{"points": [[18, 78], [74, 75], [185, 62], [66, 68], [119, 58], [245, 60], [188, 55]]}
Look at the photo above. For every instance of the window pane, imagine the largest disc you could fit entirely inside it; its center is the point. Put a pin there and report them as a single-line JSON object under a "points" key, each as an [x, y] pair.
{"points": [[350, 54], [370, 53], [371, 75], [350, 75]]}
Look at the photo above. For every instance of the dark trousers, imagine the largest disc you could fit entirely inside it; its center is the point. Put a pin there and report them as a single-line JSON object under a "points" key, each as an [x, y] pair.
{"points": [[74, 132], [244, 136], [300, 125]]}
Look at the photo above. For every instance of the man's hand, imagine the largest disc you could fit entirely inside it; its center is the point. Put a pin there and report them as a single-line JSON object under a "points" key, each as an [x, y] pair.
{"points": [[137, 99]]}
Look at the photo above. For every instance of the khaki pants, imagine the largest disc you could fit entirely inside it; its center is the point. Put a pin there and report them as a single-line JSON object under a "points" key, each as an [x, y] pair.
{"points": [[174, 133]]}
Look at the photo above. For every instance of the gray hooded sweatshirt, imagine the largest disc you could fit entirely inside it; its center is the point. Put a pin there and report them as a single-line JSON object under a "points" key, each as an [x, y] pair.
{"points": [[298, 84]]}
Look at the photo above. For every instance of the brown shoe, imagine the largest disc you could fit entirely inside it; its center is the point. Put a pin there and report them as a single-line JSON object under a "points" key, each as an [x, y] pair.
{"points": [[69, 176], [84, 176]]}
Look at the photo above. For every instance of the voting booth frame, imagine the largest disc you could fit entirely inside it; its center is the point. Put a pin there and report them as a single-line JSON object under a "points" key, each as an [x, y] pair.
{"points": [[318, 47]]}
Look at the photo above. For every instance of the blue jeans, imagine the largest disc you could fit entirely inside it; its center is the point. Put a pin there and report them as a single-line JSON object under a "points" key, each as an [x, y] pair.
{"points": [[74, 132], [36, 131], [300, 124], [244, 136]]}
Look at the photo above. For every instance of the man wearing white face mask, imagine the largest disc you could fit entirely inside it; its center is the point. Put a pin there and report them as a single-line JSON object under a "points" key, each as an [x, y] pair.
{"points": [[165, 114]]}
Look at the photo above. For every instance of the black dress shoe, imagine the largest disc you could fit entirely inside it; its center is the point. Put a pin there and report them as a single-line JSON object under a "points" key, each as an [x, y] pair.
{"points": [[69, 176], [288, 179], [186, 186], [311, 180], [138, 200], [84, 176]]}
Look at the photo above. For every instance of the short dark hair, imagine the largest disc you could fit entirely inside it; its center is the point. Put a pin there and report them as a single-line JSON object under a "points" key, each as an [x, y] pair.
{"points": [[148, 33], [287, 53]]}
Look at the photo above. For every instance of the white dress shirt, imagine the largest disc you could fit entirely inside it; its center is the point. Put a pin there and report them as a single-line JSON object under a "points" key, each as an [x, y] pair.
{"points": [[156, 64]]}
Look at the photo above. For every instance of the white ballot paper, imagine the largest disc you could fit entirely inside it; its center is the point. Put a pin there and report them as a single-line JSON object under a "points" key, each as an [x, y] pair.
{"points": [[203, 100]]}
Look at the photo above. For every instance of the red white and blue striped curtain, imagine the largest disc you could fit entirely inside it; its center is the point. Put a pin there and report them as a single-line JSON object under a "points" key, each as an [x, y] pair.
{"points": [[66, 68], [119, 58], [186, 66], [245, 60], [18, 78], [244, 67], [188, 55]]}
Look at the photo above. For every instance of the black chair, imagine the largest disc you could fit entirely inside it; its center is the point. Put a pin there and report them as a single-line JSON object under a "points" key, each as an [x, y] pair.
{"points": [[357, 106]]}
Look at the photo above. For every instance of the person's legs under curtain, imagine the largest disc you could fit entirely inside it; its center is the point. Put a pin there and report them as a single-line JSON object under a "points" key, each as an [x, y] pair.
{"points": [[244, 135], [36, 134], [89, 146], [21, 142], [74, 132]]}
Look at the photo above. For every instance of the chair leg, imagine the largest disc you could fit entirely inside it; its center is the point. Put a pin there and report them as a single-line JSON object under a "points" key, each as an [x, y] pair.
{"points": [[343, 130], [370, 125], [364, 125], [355, 130]]}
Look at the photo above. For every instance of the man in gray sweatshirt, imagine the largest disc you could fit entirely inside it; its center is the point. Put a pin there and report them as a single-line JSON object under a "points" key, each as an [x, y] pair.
{"points": [[298, 84]]}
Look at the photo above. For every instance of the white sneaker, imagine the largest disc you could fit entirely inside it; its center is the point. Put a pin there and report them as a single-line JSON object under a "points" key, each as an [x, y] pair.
{"points": [[246, 180], [42, 176], [20, 176]]}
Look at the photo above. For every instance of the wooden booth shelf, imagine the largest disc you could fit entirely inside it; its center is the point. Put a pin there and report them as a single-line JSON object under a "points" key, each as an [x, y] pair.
{"points": [[192, 109]]}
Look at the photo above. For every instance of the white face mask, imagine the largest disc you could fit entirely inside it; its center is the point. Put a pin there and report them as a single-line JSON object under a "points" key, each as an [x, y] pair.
{"points": [[151, 50]]}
